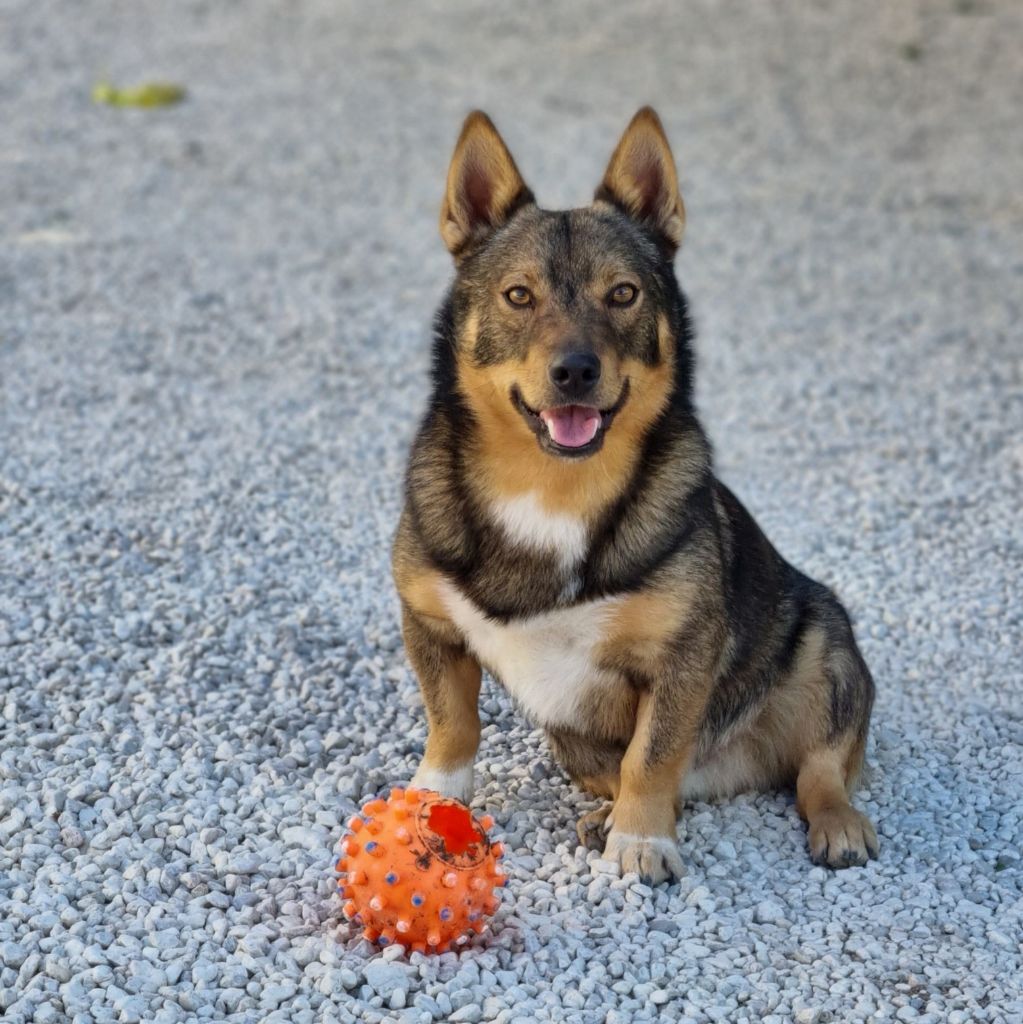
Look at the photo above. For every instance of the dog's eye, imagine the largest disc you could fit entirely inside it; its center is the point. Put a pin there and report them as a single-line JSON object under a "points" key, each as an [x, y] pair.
{"points": [[519, 296], [623, 295]]}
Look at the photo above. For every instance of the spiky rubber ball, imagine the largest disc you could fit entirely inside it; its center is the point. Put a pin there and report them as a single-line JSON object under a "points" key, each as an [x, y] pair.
{"points": [[418, 869]]}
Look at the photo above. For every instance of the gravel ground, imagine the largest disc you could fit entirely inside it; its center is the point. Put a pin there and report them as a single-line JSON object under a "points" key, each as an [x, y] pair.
{"points": [[213, 343]]}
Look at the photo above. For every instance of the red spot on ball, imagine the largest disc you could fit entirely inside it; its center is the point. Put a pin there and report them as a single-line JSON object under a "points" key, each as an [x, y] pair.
{"points": [[454, 825]]}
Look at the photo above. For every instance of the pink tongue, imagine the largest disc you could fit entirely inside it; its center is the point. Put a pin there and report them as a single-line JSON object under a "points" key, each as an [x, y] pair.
{"points": [[572, 425]]}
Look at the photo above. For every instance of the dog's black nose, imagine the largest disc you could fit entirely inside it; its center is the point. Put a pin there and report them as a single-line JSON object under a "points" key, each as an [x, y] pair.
{"points": [[575, 373]]}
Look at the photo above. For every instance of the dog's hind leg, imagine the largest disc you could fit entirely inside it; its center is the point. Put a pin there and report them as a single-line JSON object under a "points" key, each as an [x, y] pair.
{"points": [[839, 835], [595, 766], [828, 769], [814, 728]]}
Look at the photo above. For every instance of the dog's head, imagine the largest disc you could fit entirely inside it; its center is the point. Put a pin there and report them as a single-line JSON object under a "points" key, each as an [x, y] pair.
{"points": [[566, 324]]}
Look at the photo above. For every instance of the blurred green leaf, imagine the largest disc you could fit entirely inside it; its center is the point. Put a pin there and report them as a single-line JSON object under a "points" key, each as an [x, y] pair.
{"points": [[149, 94]]}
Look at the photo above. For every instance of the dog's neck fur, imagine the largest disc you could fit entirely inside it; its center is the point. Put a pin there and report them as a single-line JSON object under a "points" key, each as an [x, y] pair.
{"points": [[524, 539]]}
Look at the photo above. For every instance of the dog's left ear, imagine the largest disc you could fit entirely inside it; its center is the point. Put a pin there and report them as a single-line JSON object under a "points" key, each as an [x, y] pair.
{"points": [[641, 179], [484, 186]]}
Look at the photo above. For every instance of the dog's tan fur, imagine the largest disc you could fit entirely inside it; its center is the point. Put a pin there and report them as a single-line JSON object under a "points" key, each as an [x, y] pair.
{"points": [[507, 460]]}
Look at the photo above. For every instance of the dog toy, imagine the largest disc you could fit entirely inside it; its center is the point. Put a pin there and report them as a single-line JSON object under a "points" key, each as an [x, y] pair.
{"points": [[418, 869]]}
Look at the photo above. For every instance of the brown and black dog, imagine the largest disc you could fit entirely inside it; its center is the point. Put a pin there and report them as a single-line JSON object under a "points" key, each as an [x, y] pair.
{"points": [[563, 529]]}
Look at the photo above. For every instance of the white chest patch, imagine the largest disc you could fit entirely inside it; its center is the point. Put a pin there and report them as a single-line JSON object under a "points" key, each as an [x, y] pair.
{"points": [[547, 662], [527, 523]]}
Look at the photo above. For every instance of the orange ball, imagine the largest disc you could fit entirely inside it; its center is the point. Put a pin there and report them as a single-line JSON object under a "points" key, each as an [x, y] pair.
{"points": [[418, 869]]}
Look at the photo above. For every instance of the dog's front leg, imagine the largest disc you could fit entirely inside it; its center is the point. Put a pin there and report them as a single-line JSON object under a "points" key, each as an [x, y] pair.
{"points": [[449, 679], [642, 836]]}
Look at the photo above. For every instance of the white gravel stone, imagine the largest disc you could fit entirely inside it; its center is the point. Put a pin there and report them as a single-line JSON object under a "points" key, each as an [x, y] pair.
{"points": [[243, 863], [274, 994], [298, 835], [385, 977], [769, 912]]}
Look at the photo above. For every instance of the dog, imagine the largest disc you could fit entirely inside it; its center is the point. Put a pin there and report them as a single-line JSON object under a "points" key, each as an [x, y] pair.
{"points": [[563, 529]]}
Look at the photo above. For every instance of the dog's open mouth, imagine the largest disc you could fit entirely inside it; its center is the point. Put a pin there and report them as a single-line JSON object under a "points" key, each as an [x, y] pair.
{"points": [[570, 430]]}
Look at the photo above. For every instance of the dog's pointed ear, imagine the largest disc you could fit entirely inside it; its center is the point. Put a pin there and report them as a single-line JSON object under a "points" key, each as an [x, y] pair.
{"points": [[484, 186], [642, 181]]}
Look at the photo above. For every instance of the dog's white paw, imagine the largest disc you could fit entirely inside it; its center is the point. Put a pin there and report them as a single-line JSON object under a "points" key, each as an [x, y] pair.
{"points": [[654, 858], [457, 782]]}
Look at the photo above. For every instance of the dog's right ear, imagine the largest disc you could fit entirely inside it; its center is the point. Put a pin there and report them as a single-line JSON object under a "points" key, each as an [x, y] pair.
{"points": [[484, 186]]}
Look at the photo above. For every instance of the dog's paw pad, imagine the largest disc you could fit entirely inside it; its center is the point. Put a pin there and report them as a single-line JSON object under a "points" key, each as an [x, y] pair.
{"points": [[654, 858], [842, 838]]}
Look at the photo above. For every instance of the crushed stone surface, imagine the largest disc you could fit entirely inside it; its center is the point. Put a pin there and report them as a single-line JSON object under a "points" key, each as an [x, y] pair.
{"points": [[214, 333]]}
